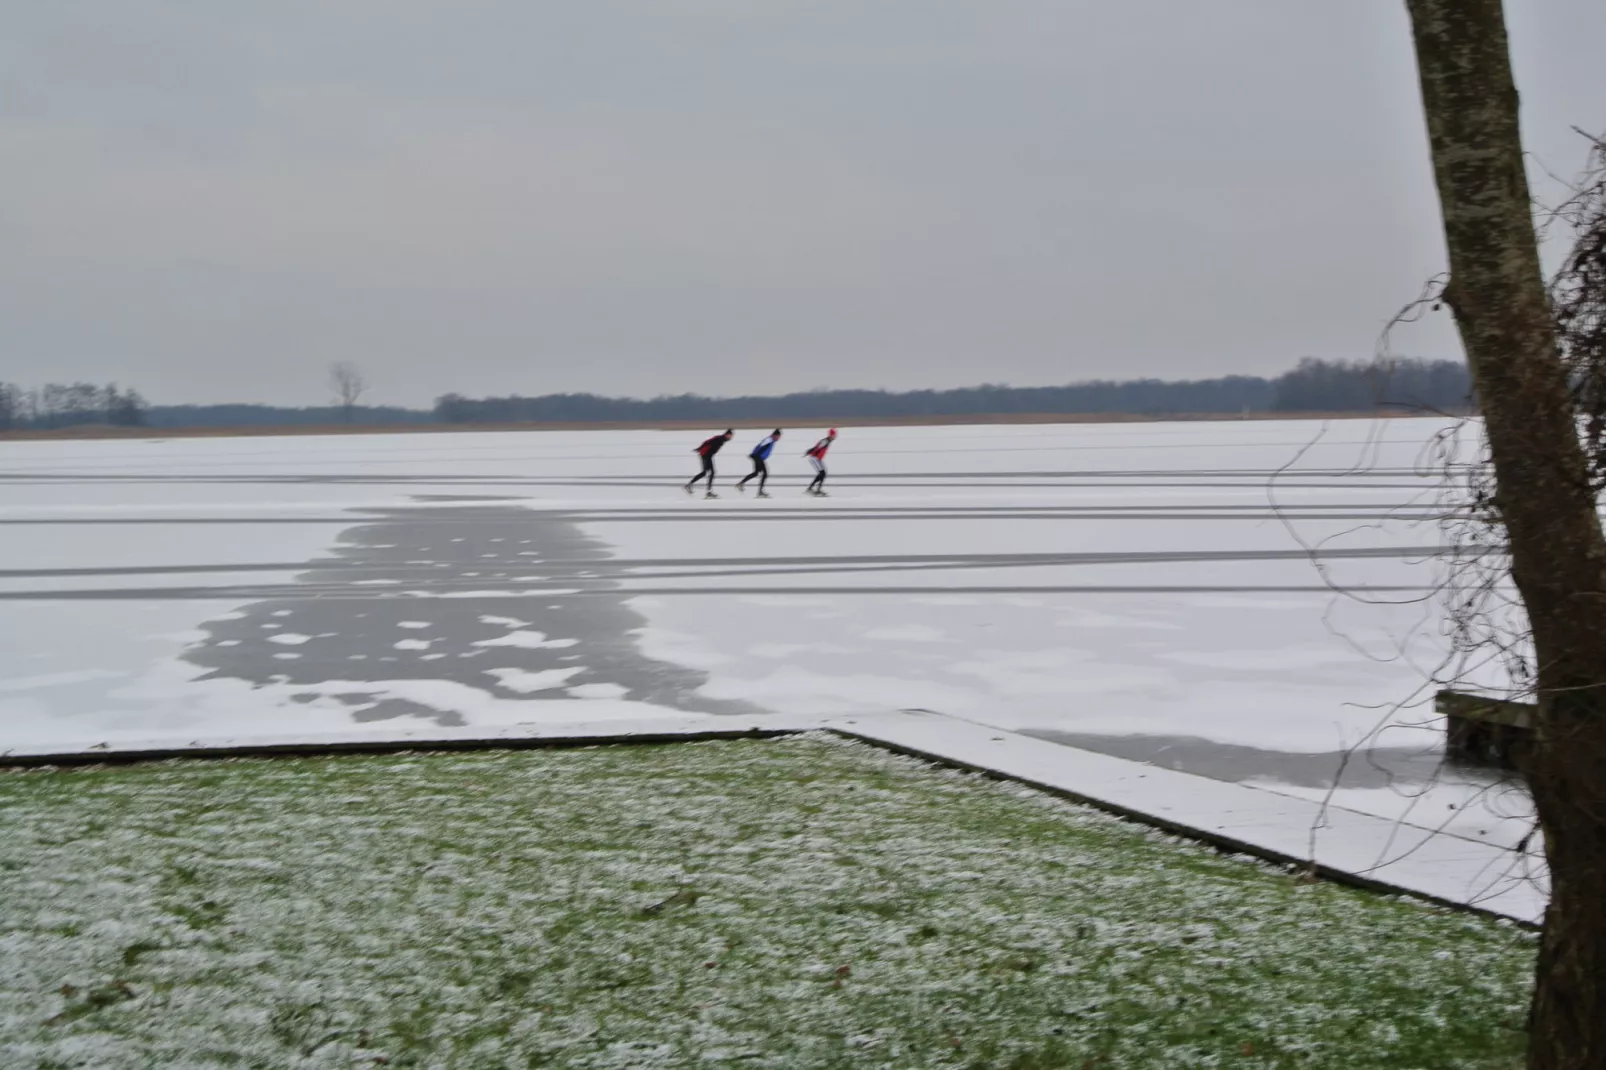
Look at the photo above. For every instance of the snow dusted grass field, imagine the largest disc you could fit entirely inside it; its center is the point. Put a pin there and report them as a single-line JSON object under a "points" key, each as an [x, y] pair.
{"points": [[805, 902]]}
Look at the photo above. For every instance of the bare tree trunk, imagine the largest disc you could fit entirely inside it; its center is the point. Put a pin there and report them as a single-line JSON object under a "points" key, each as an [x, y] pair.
{"points": [[1558, 553]]}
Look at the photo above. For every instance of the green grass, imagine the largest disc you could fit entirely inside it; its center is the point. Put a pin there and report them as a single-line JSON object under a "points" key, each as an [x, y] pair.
{"points": [[804, 902]]}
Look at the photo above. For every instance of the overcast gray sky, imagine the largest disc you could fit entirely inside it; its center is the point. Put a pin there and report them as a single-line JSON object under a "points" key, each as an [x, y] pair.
{"points": [[213, 199]]}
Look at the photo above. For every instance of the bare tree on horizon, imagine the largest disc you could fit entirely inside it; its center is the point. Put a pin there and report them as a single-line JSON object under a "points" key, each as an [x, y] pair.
{"points": [[348, 383]]}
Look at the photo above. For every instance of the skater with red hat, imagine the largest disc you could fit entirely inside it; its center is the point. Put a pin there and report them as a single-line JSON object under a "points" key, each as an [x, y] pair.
{"points": [[816, 456]]}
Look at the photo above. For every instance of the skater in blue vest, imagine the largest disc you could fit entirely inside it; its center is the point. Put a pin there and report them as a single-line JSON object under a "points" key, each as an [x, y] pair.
{"points": [[760, 456]]}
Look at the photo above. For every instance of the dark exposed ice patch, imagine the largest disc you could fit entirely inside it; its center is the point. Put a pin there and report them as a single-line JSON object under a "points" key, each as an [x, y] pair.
{"points": [[1370, 767], [357, 636]]}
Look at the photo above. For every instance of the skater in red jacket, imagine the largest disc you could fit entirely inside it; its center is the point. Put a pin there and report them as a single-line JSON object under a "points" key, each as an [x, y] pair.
{"points": [[816, 457], [706, 451]]}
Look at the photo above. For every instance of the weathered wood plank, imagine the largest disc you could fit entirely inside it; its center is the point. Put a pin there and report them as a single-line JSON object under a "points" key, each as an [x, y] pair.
{"points": [[1480, 730], [1481, 708]]}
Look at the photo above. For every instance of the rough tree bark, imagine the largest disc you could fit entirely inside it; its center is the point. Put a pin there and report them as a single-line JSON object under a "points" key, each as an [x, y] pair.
{"points": [[1543, 496]]}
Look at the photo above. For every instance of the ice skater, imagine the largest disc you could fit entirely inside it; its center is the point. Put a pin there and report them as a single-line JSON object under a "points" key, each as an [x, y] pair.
{"points": [[760, 457], [706, 451], [816, 457]]}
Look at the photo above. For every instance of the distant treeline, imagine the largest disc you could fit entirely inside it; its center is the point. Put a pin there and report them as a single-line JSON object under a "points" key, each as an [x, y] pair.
{"points": [[57, 405], [1332, 386], [1312, 386], [244, 415]]}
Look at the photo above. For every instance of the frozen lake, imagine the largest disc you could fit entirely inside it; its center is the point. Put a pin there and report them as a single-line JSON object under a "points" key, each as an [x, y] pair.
{"points": [[1140, 589]]}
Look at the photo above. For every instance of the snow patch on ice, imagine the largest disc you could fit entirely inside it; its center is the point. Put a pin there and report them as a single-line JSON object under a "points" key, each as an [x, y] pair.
{"points": [[505, 622], [681, 648], [909, 633], [57, 679], [526, 682], [596, 691], [1279, 659], [528, 640], [795, 690], [783, 651]]}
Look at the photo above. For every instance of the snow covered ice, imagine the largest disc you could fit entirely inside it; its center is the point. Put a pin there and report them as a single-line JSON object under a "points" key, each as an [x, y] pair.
{"points": [[1140, 589]]}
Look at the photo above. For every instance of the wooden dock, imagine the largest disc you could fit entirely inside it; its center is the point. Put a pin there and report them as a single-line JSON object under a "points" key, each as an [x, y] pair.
{"points": [[1486, 731]]}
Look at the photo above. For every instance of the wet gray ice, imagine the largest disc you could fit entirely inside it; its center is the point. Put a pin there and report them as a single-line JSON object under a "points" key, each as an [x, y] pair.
{"points": [[1368, 767], [362, 619]]}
